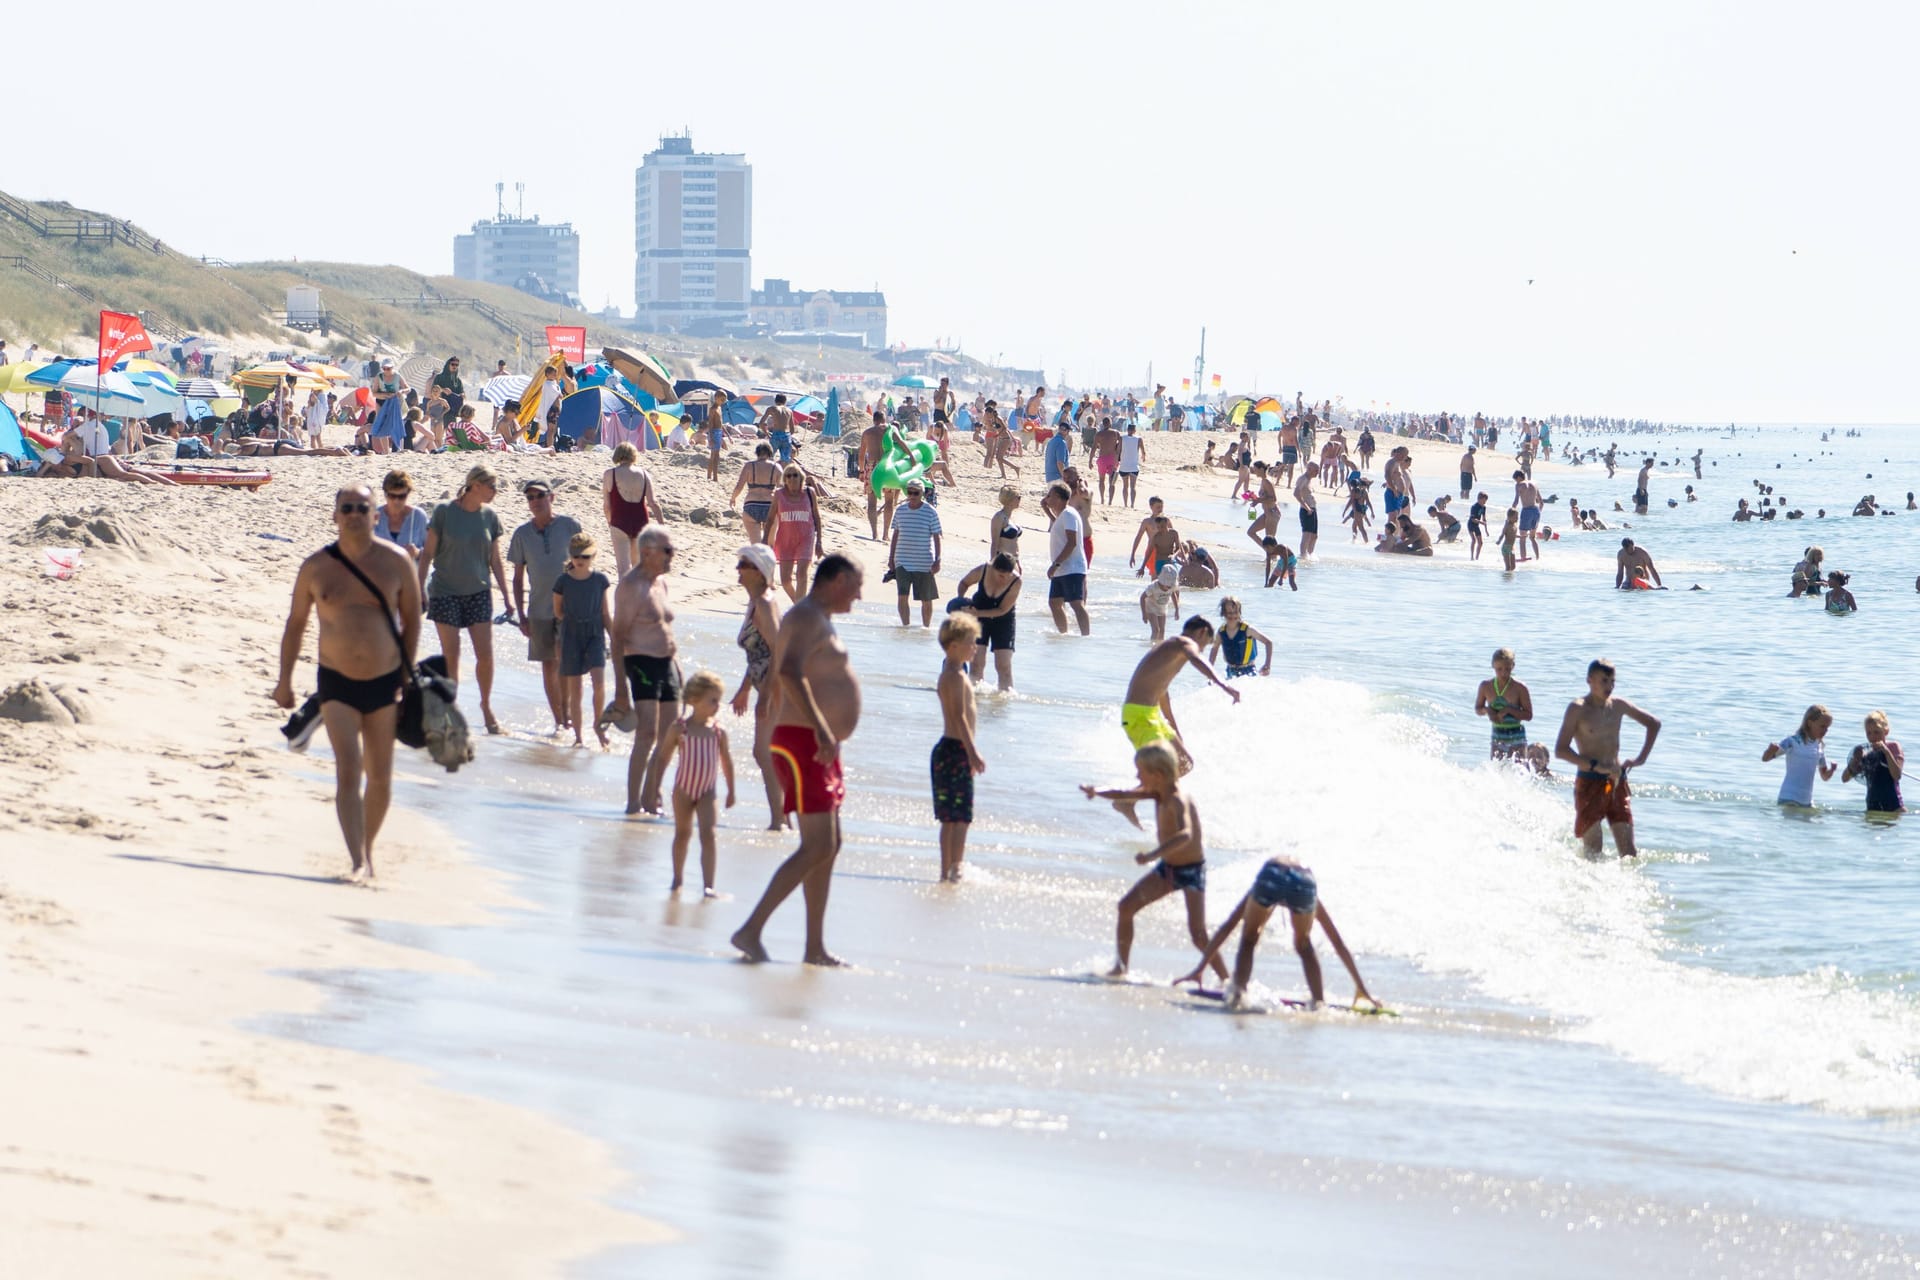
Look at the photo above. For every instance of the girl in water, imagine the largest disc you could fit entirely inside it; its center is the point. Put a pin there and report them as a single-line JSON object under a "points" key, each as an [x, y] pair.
{"points": [[1880, 761], [1839, 599], [703, 760], [1806, 753], [1240, 641]]}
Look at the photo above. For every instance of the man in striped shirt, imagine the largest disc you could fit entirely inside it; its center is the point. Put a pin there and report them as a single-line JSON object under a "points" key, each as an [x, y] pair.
{"points": [[913, 554]]}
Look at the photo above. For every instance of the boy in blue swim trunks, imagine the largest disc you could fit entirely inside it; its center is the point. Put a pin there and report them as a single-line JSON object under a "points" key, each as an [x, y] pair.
{"points": [[1180, 859], [1280, 883]]}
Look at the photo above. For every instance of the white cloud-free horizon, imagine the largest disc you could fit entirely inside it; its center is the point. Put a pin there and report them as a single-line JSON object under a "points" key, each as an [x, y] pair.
{"points": [[1683, 211]]}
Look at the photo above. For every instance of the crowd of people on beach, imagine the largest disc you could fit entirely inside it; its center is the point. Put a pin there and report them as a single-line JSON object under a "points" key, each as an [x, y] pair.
{"points": [[394, 561]]}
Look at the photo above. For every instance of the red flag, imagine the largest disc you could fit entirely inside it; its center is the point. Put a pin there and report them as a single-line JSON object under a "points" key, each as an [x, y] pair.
{"points": [[569, 340], [121, 334]]}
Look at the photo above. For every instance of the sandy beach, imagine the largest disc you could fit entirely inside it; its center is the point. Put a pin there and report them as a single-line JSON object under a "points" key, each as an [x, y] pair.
{"points": [[173, 875]]}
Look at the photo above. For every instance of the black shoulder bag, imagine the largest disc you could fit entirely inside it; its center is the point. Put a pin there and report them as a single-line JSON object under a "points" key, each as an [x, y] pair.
{"points": [[409, 728]]}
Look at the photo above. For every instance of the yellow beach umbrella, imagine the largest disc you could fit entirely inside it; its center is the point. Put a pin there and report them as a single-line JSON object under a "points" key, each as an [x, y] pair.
{"points": [[13, 377]]}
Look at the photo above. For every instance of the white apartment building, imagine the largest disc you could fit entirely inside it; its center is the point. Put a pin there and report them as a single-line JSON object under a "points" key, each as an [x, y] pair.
{"points": [[693, 237]]}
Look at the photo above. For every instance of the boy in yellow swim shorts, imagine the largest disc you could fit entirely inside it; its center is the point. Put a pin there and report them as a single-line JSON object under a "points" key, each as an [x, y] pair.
{"points": [[1147, 713]]}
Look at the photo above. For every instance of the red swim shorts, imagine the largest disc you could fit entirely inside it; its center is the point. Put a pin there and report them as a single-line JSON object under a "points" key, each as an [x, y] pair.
{"points": [[811, 787], [1597, 797], [1106, 466]]}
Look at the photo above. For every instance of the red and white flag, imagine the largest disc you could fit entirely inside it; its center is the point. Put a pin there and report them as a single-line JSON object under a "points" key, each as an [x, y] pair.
{"points": [[121, 334], [569, 341]]}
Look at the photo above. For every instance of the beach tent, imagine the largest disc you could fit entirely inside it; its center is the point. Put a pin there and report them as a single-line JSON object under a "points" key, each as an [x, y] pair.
{"points": [[617, 418], [13, 441], [683, 387]]}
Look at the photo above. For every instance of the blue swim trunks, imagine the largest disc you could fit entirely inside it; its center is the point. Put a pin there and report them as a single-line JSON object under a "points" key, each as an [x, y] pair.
{"points": [[1282, 883], [1191, 875], [1529, 519]]}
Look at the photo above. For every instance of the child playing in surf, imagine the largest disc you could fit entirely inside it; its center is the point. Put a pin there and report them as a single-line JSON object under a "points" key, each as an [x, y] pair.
{"points": [[1359, 507], [1806, 753], [1880, 762], [1180, 858], [1509, 538], [1280, 883], [1240, 642], [955, 758], [1161, 598], [1146, 716], [1507, 705], [701, 746], [1281, 562]]}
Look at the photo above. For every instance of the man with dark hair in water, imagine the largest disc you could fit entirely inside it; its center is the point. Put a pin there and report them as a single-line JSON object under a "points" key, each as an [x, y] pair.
{"points": [[1590, 741], [819, 710]]}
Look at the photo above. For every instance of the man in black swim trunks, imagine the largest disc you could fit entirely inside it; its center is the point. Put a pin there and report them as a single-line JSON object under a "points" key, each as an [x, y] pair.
{"points": [[363, 659]]}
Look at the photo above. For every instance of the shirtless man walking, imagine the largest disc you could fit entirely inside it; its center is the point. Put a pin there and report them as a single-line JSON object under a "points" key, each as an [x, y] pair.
{"points": [[1309, 513], [1526, 496], [819, 708], [1289, 449], [872, 445], [1399, 495], [364, 656], [1590, 741], [1106, 459], [1640, 486]]}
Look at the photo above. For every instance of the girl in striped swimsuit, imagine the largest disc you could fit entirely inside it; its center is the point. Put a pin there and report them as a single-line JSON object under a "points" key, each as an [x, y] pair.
{"points": [[703, 759]]}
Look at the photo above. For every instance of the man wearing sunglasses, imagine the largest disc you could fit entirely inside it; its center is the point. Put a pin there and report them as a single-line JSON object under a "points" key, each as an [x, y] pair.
{"points": [[361, 665]]}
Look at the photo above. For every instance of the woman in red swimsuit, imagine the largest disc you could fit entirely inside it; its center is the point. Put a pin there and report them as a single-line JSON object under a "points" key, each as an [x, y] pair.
{"points": [[627, 491]]}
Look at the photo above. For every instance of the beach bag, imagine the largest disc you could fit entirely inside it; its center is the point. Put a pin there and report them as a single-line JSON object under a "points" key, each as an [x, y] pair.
{"points": [[428, 717]]}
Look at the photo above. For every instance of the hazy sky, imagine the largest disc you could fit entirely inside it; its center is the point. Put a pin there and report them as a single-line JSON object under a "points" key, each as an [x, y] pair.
{"points": [[1715, 203]]}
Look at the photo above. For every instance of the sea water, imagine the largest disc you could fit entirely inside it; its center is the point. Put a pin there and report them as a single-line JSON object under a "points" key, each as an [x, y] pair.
{"points": [[1703, 1062]]}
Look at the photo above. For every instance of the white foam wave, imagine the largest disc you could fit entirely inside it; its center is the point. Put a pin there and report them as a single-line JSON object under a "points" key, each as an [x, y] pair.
{"points": [[1473, 872]]}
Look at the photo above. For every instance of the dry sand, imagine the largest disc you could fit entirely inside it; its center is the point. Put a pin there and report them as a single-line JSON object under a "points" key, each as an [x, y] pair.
{"points": [[166, 863]]}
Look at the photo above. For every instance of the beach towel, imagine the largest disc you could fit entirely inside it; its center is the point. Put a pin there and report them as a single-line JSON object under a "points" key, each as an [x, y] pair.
{"points": [[391, 422]]}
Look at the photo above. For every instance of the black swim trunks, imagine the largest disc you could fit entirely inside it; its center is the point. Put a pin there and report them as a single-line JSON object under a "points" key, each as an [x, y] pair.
{"points": [[1309, 521], [652, 679], [364, 696], [952, 781], [1189, 875]]}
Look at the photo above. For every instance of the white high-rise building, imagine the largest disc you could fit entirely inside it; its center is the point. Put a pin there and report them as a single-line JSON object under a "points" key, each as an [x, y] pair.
{"points": [[693, 237], [522, 253]]}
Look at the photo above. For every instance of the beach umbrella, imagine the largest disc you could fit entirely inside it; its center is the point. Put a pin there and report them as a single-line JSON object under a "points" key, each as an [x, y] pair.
{"points": [[498, 391], [738, 413], [916, 381], [682, 387], [321, 369], [644, 371], [417, 372], [13, 377], [194, 410], [205, 389], [830, 429], [108, 390]]}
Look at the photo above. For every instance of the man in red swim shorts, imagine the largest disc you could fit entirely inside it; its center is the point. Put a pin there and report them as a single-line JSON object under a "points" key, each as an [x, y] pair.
{"points": [[819, 709], [1590, 741]]}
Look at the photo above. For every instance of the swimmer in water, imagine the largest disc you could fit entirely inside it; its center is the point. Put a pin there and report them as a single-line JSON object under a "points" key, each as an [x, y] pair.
{"points": [[1806, 754]]}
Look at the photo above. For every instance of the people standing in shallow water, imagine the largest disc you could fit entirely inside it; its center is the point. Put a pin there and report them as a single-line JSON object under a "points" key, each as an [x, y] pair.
{"points": [[956, 757], [1590, 741], [1147, 714], [1508, 705], [699, 747], [818, 710], [1839, 599], [1806, 756], [1179, 857], [1880, 762]]}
